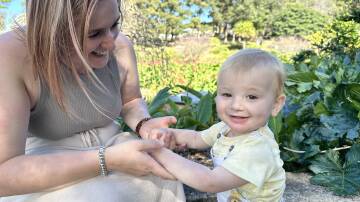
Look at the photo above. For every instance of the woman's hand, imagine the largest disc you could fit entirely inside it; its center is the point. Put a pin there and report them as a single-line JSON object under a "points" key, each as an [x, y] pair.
{"points": [[132, 157], [166, 138]]}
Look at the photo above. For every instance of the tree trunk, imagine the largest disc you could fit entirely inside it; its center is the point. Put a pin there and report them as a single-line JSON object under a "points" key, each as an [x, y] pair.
{"points": [[225, 33]]}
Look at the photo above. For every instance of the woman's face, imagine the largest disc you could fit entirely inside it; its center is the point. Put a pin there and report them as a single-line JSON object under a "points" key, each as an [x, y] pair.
{"points": [[103, 31]]}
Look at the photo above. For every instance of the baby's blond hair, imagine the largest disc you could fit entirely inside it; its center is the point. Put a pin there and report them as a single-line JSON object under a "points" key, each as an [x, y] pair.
{"points": [[250, 59]]}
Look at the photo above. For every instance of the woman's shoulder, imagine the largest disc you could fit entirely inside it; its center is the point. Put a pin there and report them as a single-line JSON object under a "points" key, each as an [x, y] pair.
{"points": [[15, 65], [13, 50]]}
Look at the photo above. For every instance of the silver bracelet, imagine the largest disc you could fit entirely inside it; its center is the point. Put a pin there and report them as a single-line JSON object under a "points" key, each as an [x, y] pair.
{"points": [[103, 169]]}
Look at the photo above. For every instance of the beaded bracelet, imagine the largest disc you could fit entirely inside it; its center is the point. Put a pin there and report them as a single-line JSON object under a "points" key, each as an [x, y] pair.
{"points": [[139, 125], [102, 164]]}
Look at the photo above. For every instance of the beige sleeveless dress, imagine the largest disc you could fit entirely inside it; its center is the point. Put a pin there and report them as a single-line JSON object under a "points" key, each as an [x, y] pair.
{"points": [[51, 131]]}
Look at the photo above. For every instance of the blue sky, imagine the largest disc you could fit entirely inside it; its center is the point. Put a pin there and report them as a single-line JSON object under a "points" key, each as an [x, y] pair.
{"points": [[13, 9]]}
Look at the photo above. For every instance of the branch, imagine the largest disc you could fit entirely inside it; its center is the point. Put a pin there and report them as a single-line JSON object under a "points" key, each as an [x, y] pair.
{"points": [[301, 152]]}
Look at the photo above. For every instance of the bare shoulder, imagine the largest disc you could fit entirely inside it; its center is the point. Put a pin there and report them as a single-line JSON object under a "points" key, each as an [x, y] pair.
{"points": [[126, 60], [122, 41], [15, 64], [15, 99], [13, 52]]}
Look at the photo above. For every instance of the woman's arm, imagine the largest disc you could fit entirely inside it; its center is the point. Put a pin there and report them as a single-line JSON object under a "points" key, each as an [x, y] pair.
{"points": [[196, 175], [20, 173], [134, 107]]}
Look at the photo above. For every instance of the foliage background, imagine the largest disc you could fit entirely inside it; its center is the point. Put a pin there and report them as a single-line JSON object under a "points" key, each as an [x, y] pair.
{"points": [[180, 46]]}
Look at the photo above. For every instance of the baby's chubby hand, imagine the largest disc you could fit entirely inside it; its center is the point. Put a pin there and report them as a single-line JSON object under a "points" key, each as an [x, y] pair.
{"points": [[166, 136]]}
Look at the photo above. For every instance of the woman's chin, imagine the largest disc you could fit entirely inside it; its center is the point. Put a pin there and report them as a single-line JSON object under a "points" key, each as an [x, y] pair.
{"points": [[98, 62]]}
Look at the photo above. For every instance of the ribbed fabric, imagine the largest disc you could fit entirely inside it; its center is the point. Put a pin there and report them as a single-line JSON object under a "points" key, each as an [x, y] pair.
{"points": [[48, 121], [116, 187]]}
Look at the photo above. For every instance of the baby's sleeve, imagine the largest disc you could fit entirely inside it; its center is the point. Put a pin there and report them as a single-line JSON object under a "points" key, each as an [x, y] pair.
{"points": [[210, 135], [251, 162]]}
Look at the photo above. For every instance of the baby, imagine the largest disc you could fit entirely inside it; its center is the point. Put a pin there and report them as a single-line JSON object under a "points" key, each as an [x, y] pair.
{"points": [[246, 157]]}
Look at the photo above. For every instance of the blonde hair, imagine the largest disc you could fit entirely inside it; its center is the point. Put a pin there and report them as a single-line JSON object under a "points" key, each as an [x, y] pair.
{"points": [[56, 29], [249, 59]]}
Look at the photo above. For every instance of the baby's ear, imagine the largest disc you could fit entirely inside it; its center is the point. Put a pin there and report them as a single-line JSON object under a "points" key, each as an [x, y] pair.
{"points": [[278, 105]]}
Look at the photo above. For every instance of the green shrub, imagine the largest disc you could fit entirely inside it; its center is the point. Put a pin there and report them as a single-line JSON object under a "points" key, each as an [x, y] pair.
{"points": [[200, 76], [323, 111], [297, 20], [339, 37], [245, 30]]}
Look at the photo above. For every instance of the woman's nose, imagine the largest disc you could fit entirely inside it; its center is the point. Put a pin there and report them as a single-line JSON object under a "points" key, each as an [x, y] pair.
{"points": [[109, 40]]}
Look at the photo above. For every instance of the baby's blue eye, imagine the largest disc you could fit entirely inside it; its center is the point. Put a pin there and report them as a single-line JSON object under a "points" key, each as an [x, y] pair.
{"points": [[226, 94], [252, 97]]}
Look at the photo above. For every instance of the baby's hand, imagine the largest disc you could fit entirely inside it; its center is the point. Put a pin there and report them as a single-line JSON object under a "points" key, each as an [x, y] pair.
{"points": [[166, 136]]}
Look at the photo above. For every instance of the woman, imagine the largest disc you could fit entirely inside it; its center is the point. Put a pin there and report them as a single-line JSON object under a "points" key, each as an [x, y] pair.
{"points": [[64, 79]]}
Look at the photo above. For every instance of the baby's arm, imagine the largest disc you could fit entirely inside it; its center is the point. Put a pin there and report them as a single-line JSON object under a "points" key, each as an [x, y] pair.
{"points": [[196, 175], [189, 138]]}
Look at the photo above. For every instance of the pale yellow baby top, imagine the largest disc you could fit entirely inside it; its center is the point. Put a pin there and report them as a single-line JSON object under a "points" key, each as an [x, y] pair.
{"points": [[254, 157]]}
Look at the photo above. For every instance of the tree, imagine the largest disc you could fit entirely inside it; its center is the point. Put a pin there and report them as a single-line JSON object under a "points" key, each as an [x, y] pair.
{"points": [[260, 13], [226, 13], [245, 30], [198, 9], [338, 37], [353, 11], [222, 13], [155, 21], [297, 20]]}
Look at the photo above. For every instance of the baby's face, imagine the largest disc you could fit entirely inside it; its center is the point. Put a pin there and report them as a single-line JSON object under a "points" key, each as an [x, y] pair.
{"points": [[245, 100]]}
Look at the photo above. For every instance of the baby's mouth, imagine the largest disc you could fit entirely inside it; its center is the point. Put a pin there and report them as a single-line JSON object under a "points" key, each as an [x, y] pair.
{"points": [[239, 118]]}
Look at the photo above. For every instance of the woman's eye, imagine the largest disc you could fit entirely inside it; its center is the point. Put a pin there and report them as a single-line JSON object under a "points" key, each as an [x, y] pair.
{"points": [[94, 34], [115, 24]]}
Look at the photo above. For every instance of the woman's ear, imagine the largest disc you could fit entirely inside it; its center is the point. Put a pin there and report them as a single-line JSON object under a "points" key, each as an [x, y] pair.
{"points": [[278, 105]]}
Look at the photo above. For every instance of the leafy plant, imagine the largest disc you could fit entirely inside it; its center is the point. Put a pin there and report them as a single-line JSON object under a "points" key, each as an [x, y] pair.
{"points": [[245, 30], [323, 108], [341, 177], [339, 37], [190, 115]]}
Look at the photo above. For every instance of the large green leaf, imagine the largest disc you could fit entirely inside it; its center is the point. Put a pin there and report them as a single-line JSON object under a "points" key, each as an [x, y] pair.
{"points": [[187, 122], [340, 123], [304, 87], [353, 91], [190, 90], [302, 77], [313, 98], [341, 178], [204, 109], [159, 100], [275, 123], [320, 109]]}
